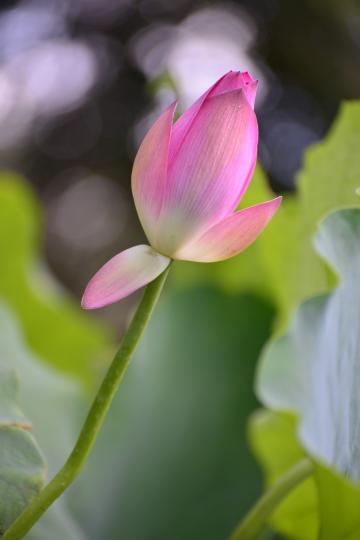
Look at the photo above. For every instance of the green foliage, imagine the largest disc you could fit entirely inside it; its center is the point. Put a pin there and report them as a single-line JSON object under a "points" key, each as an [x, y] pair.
{"points": [[282, 263], [172, 460], [59, 333], [328, 181], [315, 368], [22, 472], [324, 507], [273, 439], [314, 371], [339, 503], [22, 467], [54, 327], [52, 402]]}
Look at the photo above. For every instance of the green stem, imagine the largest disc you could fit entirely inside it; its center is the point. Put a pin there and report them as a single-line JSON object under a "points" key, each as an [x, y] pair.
{"points": [[95, 418], [254, 521]]}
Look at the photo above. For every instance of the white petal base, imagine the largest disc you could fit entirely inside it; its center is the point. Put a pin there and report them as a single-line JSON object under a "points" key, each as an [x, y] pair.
{"points": [[122, 275]]}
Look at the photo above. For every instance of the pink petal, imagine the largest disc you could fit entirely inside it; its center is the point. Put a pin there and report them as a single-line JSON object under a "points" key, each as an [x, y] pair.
{"points": [[211, 170], [234, 80], [250, 87], [122, 275], [232, 235], [150, 171]]}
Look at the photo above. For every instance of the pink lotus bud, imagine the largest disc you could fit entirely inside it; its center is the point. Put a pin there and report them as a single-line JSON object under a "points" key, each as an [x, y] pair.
{"points": [[187, 180]]}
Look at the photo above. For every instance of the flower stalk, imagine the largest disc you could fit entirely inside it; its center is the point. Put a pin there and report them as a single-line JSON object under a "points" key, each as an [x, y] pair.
{"points": [[251, 526], [61, 481]]}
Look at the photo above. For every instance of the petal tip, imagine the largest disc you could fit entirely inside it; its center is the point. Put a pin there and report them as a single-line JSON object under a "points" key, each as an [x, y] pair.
{"points": [[272, 206], [277, 201], [122, 275], [89, 299], [85, 303]]}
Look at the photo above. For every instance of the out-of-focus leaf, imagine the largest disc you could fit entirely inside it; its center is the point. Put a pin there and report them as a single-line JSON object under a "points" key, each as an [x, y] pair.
{"points": [[314, 370], [325, 506], [339, 503], [171, 461], [326, 498], [22, 467], [22, 472], [54, 328], [57, 524], [272, 437], [327, 182], [282, 263], [53, 403], [10, 413]]}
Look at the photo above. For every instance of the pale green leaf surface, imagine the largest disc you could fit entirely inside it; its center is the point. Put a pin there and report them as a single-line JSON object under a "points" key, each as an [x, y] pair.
{"points": [[314, 371], [22, 466], [22, 472], [315, 368], [10, 413], [53, 326], [324, 507]]}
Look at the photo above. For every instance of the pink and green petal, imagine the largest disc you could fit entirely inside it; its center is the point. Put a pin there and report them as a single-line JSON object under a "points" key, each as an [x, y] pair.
{"points": [[230, 236], [211, 170], [149, 172], [122, 275]]}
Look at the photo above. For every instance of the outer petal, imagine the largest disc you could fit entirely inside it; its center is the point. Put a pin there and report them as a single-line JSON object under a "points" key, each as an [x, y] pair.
{"points": [[234, 80], [122, 275], [150, 171], [232, 235], [211, 170]]}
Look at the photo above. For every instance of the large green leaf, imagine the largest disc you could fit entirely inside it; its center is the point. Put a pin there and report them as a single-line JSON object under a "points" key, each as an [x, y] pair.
{"points": [[22, 472], [314, 370], [282, 263], [54, 327], [171, 461], [339, 503], [22, 467], [325, 506], [53, 402]]}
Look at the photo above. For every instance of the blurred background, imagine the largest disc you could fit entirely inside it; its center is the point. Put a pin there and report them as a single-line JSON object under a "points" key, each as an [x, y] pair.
{"points": [[80, 83]]}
